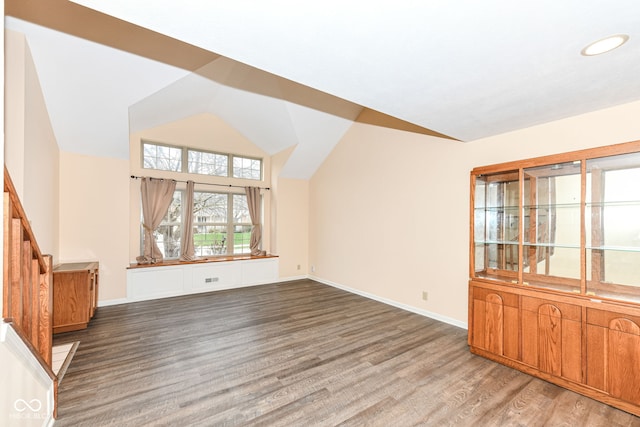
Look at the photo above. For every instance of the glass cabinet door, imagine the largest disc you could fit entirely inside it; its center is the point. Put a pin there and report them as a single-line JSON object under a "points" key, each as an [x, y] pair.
{"points": [[551, 216], [496, 225], [612, 216]]}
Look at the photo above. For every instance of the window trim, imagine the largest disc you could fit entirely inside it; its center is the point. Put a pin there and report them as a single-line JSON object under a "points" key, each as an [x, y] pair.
{"points": [[230, 224], [233, 156], [184, 167], [161, 144], [186, 151]]}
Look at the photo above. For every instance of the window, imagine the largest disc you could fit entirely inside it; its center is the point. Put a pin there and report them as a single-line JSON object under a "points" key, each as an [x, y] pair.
{"points": [[161, 157], [168, 233], [241, 224], [187, 160], [248, 168], [206, 163], [222, 225]]}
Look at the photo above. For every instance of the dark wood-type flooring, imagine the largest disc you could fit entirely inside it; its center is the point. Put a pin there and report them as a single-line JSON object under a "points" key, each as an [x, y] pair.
{"points": [[297, 354]]}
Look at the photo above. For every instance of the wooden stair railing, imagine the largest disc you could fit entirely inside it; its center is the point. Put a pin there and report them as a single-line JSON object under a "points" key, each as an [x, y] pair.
{"points": [[28, 278]]}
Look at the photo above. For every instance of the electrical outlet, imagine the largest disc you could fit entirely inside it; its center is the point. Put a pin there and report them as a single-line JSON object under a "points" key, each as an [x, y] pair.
{"points": [[425, 295], [313, 268], [298, 266]]}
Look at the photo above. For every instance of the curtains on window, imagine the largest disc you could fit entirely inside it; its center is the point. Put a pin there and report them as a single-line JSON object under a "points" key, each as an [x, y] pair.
{"points": [[187, 250], [253, 202], [157, 195]]}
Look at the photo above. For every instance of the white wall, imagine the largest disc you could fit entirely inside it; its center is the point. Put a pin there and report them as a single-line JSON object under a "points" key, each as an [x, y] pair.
{"points": [[289, 219], [26, 395], [94, 217], [31, 148], [389, 210]]}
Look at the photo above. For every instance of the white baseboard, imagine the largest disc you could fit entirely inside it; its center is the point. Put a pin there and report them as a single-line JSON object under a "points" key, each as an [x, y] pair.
{"points": [[393, 303], [292, 278], [103, 303]]}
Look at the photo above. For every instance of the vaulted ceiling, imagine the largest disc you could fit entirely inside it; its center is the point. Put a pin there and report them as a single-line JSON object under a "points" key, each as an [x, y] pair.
{"points": [[288, 73]]}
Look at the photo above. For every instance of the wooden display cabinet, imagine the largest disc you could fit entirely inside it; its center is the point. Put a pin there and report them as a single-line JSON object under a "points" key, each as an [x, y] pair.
{"points": [[554, 286], [75, 295]]}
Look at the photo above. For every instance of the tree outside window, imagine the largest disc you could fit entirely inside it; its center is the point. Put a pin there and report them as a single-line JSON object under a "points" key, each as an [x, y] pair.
{"points": [[216, 217]]}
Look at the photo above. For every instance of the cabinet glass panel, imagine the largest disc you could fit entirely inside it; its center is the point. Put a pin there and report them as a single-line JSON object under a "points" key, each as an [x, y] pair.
{"points": [[496, 225], [612, 216], [551, 216]]}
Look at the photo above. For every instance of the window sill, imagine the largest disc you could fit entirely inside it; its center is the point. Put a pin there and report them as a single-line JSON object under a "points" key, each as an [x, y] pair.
{"points": [[174, 262]]}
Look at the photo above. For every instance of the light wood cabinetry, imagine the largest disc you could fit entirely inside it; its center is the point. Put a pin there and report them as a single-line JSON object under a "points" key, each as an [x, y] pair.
{"points": [[555, 270], [495, 326], [75, 295]]}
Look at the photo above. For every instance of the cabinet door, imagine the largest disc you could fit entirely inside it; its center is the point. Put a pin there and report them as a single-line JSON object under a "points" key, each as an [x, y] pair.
{"points": [[495, 322], [70, 299], [613, 354], [552, 337]]}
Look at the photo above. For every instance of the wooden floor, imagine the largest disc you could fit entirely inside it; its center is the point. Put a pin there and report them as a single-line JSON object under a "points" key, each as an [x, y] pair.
{"points": [[297, 354]]}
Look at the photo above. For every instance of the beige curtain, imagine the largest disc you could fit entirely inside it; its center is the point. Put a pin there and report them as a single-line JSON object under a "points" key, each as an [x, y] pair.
{"points": [[187, 250], [157, 195], [253, 201]]}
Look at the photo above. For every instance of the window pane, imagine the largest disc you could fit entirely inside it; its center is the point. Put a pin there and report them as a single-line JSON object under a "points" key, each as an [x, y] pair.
{"points": [[242, 227], [244, 167], [162, 157], [210, 240], [612, 222], [552, 230], [210, 212], [241, 239], [168, 239], [208, 163], [497, 225], [240, 210], [168, 233], [210, 207]]}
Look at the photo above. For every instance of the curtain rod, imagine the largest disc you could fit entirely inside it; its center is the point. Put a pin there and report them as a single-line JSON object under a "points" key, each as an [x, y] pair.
{"points": [[201, 183]]}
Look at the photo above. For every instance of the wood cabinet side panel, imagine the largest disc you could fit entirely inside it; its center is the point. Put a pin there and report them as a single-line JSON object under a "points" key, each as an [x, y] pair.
{"points": [[530, 338], [478, 323], [572, 350], [494, 328], [595, 356], [512, 333]]}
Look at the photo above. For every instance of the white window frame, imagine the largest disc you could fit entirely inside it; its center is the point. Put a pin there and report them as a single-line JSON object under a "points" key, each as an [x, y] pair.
{"points": [[184, 166], [230, 225]]}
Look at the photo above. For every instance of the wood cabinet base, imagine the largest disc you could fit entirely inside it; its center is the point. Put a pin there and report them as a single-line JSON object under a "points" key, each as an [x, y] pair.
{"points": [[578, 388], [589, 346], [75, 295]]}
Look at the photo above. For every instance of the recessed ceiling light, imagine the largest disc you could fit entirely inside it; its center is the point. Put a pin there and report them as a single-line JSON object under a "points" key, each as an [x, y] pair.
{"points": [[605, 45]]}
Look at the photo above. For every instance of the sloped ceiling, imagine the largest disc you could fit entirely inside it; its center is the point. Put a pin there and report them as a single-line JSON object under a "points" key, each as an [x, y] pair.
{"points": [[272, 112], [294, 73]]}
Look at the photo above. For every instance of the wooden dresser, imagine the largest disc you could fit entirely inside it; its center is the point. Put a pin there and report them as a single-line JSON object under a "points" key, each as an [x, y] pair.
{"points": [[75, 295]]}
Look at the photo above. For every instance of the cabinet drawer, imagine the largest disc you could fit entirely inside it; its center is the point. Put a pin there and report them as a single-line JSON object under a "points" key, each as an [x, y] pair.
{"points": [[552, 308], [603, 318], [508, 299]]}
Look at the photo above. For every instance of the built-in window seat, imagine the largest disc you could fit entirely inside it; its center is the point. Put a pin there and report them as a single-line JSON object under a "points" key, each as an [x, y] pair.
{"points": [[173, 278]]}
